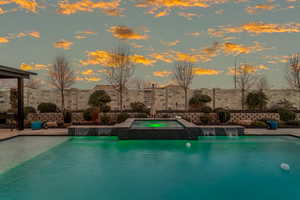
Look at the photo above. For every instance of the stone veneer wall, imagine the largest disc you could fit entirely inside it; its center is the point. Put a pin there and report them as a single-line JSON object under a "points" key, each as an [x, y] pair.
{"points": [[47, 117], [167, 98]]}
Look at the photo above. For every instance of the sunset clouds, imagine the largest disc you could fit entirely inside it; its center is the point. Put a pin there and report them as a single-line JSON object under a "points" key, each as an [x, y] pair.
{"points": [[66, 7], [256, 28], [63, 44], [28, 5], [212, 34], [124, 32]]}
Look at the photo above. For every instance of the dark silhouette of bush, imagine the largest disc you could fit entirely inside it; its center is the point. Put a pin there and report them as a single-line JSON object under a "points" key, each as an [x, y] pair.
{"points": [[223, 116], [257, 100], [286, 115], [27, 110], [47, 108], [122, 117], [138, 107], [88, 114]]}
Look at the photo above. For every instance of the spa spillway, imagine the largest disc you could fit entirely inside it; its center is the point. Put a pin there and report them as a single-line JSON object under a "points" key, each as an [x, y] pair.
{"points": [[160, 129]]}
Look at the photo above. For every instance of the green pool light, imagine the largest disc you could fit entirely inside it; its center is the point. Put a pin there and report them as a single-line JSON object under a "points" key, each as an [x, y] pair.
{"points": [[155, 125]]}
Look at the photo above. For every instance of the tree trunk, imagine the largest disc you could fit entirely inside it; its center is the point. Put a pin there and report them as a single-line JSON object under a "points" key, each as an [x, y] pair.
{"points": [[243, 99], [62, 101], [185, 99], [121, 100]]}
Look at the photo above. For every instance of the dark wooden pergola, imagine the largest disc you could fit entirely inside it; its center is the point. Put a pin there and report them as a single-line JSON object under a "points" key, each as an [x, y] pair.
{"points": [[20, 75]]}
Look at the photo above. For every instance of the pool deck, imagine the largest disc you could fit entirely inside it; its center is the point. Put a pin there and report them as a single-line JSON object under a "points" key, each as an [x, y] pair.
{"points": [[7, 134]]}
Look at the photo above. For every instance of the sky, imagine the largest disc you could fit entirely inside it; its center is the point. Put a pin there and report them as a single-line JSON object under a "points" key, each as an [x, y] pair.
{"points": [[210, 33]]}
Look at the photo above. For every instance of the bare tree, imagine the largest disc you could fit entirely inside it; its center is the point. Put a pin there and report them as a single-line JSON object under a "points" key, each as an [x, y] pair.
{"points": [[120, 71], [293, 72], [183, 74], [61, 77], [262, 83], [245, 80], [31, 84]]}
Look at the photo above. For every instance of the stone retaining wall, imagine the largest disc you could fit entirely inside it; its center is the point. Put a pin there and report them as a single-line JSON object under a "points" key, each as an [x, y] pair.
{"points": [[46, 117]]}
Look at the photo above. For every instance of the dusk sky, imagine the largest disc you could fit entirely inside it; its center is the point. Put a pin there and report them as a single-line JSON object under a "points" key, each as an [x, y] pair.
{"points": [[210, 33]]}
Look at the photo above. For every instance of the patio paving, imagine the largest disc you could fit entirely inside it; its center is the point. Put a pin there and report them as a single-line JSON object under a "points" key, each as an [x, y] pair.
{"points": [[7, 133]]}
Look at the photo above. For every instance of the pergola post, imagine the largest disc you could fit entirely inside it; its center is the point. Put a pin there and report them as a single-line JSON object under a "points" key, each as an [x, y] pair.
{"points": [[20, 104]]}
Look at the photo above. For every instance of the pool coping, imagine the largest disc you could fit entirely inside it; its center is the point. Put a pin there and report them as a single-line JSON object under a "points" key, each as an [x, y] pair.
{"points": [[66, 135]]}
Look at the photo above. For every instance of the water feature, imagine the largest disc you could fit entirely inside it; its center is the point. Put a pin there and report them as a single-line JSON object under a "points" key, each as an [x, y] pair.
{"points": [[209, 131], [231, 132]]}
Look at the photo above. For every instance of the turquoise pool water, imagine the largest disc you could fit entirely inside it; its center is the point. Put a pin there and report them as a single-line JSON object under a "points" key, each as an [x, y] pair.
{"points": [[213, 168], [156, 124]]}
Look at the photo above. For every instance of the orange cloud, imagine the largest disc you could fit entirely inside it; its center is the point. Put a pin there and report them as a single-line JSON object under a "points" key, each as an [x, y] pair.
{"points": [[232, 48], [154, 6], [139, 59], [170, 44], [34, 34], [29, 5], [256, 28], [84, 34], [162, 73], [87, 72], [33, 67], [109, 8], [104, 58], [202, 71], [188, 15], [247, 68], [4, 40], [124, 32], [63, 44], [260, 7]]}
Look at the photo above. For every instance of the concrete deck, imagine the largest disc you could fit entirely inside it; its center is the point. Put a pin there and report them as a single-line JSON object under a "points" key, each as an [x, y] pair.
{"points": [[281, 131], [7, 133]]}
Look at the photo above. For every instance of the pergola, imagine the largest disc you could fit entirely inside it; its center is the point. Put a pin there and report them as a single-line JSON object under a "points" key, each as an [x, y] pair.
{"points": [[20, 75]]}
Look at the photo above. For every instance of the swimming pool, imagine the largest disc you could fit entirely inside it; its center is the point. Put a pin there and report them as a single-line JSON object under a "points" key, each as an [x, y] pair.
{"points": [[214, 168]]}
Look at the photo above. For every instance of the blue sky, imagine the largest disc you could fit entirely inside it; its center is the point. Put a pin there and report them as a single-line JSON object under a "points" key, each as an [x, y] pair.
{"points": [[211, 33]]}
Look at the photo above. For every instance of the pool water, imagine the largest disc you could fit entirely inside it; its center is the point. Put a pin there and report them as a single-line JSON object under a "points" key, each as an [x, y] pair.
{"points": [[156, 124], [214, 168]]}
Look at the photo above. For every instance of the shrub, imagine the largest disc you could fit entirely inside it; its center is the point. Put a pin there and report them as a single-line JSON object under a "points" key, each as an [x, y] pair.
{"points": [[205, 119], [286, 115], [99, 98], [259, 124], [138, 107], [256, 100], [223, 116], [27, 110], [47, 108], [293, 122], [216, 110], [206, 109], [105, 108], [87, 114], [105, 119], [141, 115], [199, 100], [122, 117], [67, 117]]}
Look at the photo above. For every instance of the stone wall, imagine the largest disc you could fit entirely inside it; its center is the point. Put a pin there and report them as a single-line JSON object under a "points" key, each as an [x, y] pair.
{"points": [[166, 98], [46, 117]]}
